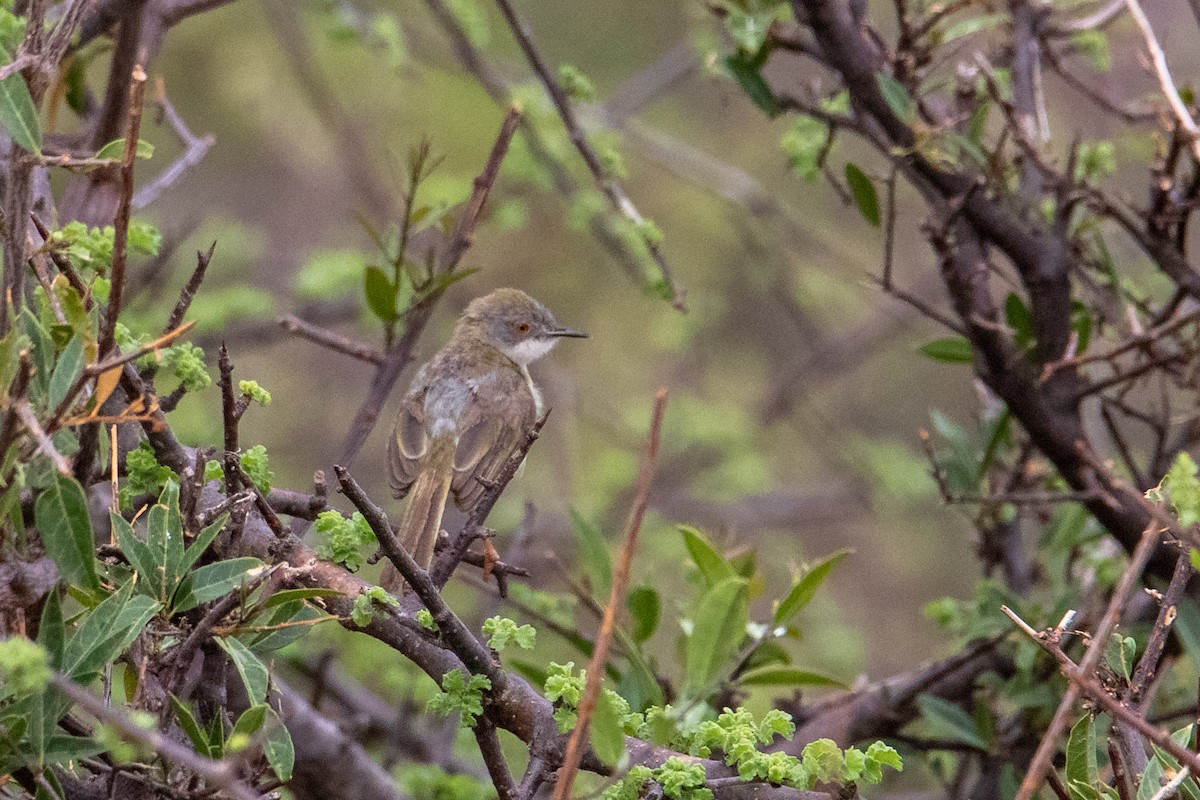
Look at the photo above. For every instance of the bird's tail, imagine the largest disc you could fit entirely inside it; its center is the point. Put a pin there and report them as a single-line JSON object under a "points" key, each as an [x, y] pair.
{"points": [[422, 518]]}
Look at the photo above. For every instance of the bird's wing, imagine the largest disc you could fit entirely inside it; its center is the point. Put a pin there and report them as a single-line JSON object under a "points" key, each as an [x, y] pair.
{"points": [[408, 444], [493, 426]]}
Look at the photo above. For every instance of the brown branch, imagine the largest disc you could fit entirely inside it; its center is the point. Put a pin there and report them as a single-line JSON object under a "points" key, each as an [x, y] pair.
{"points": [[195, 149], [191, 287], [121, 224], [334, 341], [493, 759], [482, 186], [616, 599]]}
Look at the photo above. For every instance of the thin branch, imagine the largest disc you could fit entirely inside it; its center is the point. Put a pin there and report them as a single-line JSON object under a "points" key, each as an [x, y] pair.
{"points": [[191, 287], [25, 412], [334, 341], [195, 149], [616, 599], [220, 774], [1040, 762], [1163, 72], [121, 225], [493, 759], [607, 185]]}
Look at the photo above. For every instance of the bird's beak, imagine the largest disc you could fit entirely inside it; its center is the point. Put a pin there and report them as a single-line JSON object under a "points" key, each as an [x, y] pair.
{"points": [[569, 333]]}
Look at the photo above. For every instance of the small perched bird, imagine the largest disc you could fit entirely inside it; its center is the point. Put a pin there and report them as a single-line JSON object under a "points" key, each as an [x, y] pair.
{"points": [[467, 411]]}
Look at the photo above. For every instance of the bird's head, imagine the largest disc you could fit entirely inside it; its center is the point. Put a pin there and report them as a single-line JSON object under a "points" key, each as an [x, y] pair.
{"points": [[514, 323]]}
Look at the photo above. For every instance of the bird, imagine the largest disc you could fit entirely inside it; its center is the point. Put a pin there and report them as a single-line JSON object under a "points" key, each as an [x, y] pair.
{"points": [[466, 413]]}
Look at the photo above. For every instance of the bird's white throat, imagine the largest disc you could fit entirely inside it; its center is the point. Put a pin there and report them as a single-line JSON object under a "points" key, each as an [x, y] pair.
{"points": [[529, 350]]}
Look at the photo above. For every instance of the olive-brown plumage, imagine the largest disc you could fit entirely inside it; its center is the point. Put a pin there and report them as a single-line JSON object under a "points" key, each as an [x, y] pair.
{"points": [[467, 412]]}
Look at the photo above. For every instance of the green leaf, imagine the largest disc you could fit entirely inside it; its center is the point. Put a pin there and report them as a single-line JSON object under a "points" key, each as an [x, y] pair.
{"points": [[719, 627], [107, 631], [746, 69], [136, 552], [70, 364], [294, 613], [381, 294], [1020, 319], [116, 149], [1152, 780], [164, 536], [201, 543], [607, 735], [786, 676], [52, 629], [951, 350], [60, 513], [645, 608], [593, 554], [187, 721], [803, 590], [1081, 752], [950, 722], [250, 668], [897, 98], [248, 724], [863, 191], [967, 27], [291, 595], [18, 114], [212, 581], [278, 747], [712, 565]]}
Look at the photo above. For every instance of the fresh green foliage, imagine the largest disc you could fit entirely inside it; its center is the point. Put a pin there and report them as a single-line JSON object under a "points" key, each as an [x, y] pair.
{"points": [[343, 538], [93, 247], [186, 362], [62, 517], [864, 194], [116, 149], [256, 464], [255, 392], [575, 83], [368, 605], [24, 667], [143, 474], [425, 620], [502, 631], [429, 782], [1181, 488], [462, 693], [949, 350]]}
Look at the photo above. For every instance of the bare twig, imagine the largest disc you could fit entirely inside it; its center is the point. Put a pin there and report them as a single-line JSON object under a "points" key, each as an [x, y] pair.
{"points": [[493, 759], [616, 599], [121, 225], [25, 412], [334, 341], [191, 287], [1180, 110], [607, 185], [195, 148]]}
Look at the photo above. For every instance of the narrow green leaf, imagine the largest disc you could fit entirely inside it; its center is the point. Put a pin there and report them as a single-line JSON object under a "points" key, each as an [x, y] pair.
{"points": [[1152, 780], [950, 722], [62, 518], [786, 676], [951, 350], [863, 191], [70, 364], [137, 553], [107, 631], [381, 295], [116, 149], [212, 581], [201, 543], [803, 590], [645, 608], [712, 565], [719, 627], [608, 738], [1081, 751], [747, 71], [250, 668], [967, 27], [291, 595], [52, 629], [278, 747], [18, 114], [593, 554], [294, 613], [61, 748], [187, 721], [897, 98]]}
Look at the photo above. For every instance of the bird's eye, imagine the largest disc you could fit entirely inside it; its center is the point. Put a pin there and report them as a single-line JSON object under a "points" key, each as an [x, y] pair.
{"points": [[522, 327]]}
